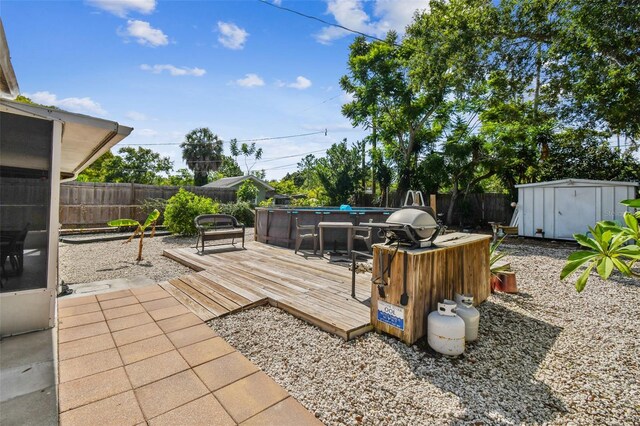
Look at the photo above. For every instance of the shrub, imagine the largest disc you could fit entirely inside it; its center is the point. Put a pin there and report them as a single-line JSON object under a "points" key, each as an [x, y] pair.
{"points": [[247, 192], [240, 210], [266, 203], [182, 208]]}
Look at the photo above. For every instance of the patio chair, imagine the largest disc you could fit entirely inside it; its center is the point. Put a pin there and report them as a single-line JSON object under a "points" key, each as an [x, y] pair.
{"points": [[363, 233], [12, 248], [306, 231]]}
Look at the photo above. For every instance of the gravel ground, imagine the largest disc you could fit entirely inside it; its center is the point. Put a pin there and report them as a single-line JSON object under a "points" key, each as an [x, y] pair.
{"points": [[84, 263], [544, 356]]}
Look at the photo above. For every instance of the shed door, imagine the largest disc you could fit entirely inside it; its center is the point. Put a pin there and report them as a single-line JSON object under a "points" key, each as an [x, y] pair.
{"points": [[575, 211]]}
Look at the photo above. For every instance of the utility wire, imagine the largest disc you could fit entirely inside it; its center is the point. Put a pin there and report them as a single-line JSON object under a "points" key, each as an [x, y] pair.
{"points": [[240, 140], [315, 18]]}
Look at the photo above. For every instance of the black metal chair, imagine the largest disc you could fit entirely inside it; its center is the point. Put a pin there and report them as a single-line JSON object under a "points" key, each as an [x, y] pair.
{"points": [[12, 248]]}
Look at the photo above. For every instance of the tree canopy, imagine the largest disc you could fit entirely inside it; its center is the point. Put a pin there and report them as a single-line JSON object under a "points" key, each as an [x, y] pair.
{"points": [[202, 151]]}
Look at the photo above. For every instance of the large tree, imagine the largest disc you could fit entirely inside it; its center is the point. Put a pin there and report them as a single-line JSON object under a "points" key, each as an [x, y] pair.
{"points": [[139, 165], [340, 171], [202, 151]]}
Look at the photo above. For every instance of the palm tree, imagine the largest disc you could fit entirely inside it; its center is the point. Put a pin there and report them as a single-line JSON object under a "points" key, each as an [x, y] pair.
{"points": [[202, 151]]}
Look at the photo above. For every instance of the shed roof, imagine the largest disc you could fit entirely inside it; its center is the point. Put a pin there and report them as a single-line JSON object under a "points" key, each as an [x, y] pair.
{"points": [[230, 182], [581, 182]]}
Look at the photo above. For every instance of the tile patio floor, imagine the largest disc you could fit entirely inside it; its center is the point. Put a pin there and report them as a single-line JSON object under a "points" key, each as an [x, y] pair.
{"points": [[140, 357]]}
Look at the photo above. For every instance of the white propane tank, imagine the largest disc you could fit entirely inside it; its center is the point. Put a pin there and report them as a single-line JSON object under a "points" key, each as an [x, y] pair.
{"points": [[445, 330], [469, 315]]}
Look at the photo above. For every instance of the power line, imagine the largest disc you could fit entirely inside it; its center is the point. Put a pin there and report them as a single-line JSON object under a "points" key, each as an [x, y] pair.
{"points": [[315, 18], [239, 140]]}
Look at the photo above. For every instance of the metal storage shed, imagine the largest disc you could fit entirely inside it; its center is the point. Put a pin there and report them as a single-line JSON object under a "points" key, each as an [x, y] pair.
{"points": [[565, 207]]}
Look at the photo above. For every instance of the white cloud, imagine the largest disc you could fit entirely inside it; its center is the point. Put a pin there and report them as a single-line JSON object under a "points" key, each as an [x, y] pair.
{"points": [[145, 34], [250, 80], [173, 70], [136, 116], [391, 14], [231, 36], [301, 83], [81, 105], [147, 132], [277, 2], [122, 7]]}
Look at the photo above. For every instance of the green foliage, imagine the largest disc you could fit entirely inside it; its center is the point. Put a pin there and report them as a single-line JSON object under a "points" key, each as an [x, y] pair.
{"points": [[608, 248], [248, 191], [151, 220], [249, 152], [340, 171], [285, 187], [495, 256], [133, 165], [183, 208], [151, 204], [266, 203], [202, 151], [183, 177], [240, 210], [229, 168], [97, 172]]}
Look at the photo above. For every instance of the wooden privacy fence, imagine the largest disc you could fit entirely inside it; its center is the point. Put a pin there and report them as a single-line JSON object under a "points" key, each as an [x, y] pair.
{"points": [[90, 204], [476, 209]]}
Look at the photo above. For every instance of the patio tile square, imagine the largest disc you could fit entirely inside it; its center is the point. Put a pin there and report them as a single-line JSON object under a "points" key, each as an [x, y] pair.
{"points": [[206, 410], [153, 295], [155, 368], [67, 302], [119, 409], [82, 319], [116, 303], [123, 311], [190, 335], [249, 396], [146, 289], [285, 413], [165, 302], [225, 370], [92, 388], [206, 350], [87, 365], [171, 311], [78, 310], [166, 394], [114, 295], [177, 323], [86, 346], [129, 321], [143, 349], [133, 334], [81, 332]]}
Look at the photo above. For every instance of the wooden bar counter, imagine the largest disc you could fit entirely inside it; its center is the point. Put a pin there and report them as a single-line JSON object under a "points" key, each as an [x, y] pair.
{"points": [[457, 263]]}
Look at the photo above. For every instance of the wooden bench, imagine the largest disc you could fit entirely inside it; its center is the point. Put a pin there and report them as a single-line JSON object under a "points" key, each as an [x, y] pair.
{"points": [[213, 227]]}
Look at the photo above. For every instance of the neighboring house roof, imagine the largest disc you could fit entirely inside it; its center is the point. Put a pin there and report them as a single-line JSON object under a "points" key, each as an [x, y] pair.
{"points": [[8, 82], [579, 182], [231, 182], [84, 138]]}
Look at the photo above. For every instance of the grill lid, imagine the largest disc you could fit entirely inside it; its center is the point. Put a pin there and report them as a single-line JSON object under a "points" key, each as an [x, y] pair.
{"points": [[416, 227]]}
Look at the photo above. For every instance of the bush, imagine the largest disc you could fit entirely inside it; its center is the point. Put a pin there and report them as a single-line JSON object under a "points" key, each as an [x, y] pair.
{"points": [[182, 208], [240, 210], [247, 191]]}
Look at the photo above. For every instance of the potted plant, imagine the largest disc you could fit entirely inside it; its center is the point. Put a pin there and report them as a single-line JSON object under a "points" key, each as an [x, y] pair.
{"points": [[501, 278]]}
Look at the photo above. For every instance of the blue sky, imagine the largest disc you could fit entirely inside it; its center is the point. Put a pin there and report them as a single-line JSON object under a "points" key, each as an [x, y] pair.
{"points": [[242, 68]]}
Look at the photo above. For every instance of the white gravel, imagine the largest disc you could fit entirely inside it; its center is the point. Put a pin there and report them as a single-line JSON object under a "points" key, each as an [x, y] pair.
{"points": [[544, 356]]}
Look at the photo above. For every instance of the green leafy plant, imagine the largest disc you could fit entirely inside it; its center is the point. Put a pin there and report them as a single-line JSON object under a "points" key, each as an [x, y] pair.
{"points": [[183, 208], [266, 203], [247, 191], [240, 210], [495, 256], [611, 246], [140, 228]]}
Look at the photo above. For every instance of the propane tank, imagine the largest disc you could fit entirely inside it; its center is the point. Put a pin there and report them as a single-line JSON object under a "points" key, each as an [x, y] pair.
{"points": [[445, 330], [469, 315]]}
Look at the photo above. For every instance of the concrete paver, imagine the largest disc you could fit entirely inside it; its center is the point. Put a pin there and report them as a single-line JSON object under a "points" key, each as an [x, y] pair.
{"points": [[154, 362]]}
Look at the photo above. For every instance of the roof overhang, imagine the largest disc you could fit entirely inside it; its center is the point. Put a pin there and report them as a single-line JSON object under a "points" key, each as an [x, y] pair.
{"points": [[84, 138], [8, 82]]}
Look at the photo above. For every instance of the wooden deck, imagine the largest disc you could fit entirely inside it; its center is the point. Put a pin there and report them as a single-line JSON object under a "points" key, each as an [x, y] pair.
{"points": [[309, 288]]}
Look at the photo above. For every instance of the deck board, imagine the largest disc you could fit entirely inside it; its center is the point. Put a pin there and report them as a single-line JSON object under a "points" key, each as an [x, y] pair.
{"points": [[308, 287]]}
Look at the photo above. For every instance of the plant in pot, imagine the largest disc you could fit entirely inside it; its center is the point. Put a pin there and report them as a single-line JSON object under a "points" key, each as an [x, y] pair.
{"points": [[499, 280]]}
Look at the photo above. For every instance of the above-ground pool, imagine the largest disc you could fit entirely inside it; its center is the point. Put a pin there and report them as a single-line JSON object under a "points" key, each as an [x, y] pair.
{"points": [[277, 226]]}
